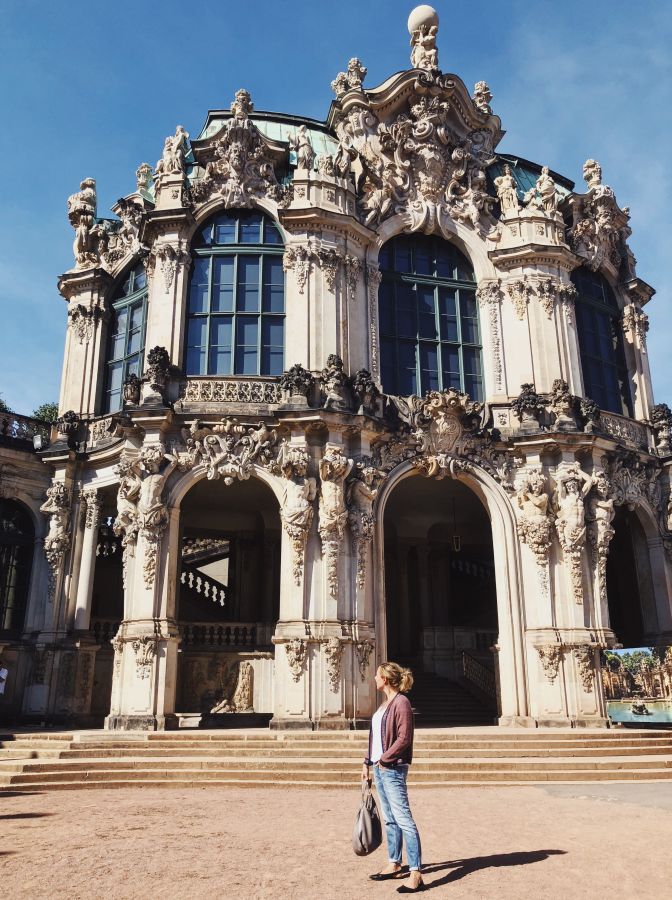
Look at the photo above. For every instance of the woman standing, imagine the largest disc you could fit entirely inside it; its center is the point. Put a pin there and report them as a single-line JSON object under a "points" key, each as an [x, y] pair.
{"points": [[390, 754]]}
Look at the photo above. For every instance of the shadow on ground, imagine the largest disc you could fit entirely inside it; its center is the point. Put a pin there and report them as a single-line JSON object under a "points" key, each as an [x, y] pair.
{"points": [[463, 867]]}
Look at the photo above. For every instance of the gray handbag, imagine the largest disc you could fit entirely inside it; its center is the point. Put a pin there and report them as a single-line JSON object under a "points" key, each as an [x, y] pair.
{"points": [[367, 834]]}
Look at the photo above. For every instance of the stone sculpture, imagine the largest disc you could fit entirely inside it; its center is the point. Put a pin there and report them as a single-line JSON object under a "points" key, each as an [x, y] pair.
{"points": [[175, 148], [82, 216], [507, 192], [544, 195], [573, 486], [423, 26], [334, 468], [296, 511], [534, 522], [305, 155]]}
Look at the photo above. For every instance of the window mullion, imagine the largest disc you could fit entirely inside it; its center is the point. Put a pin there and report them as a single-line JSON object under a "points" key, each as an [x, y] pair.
{"points": [[260, 319]]}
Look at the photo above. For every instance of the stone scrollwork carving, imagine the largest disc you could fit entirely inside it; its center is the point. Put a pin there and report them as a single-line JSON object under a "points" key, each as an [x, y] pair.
{"points": [[83, 320], [57, 541], [298, 258], [550, 656], [600, 515], [296, 511], [519, 292], [373, 278], [567, 295], [242, 169], [573, 486], [333, 651], [661, 420], [584, 655], [296, 650], [489, 296], [169, 257], [334, 468], [229, 450], [91, 507], [121, 238], [636, 321], [145, 648], [361, 493], [363, 649], [231, 390], [547, 292], [330, 259], [634, 481], [534, 520]]}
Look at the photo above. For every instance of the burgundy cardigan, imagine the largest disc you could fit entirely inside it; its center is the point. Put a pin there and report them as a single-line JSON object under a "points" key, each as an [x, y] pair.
{"points": [[397, 734]]}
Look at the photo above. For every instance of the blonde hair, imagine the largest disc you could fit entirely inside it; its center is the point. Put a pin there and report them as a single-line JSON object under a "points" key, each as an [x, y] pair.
{"points": [[397, 677]]}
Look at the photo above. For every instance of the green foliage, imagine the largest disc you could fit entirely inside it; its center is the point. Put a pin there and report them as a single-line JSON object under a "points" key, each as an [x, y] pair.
{"points": [[3, 406], [48, 412], [633, 661]]}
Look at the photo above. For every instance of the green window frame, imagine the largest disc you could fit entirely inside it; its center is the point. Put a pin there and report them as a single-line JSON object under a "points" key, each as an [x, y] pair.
{"points": [[600, 331], [126, 340], [236, 300], [430, 335]]}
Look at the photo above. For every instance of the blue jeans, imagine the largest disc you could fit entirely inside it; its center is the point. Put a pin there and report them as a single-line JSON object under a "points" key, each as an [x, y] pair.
{"points": [[393, 796]]}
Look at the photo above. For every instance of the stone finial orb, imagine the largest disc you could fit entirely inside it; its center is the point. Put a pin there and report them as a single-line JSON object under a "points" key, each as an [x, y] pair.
{"points": [[422, 15]]}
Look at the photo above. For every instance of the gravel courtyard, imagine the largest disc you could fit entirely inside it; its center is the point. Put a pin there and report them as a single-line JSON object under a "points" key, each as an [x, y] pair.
{"points": [[560, 841]]}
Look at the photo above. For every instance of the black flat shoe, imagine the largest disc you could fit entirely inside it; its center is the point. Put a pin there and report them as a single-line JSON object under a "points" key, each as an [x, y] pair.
{"points": [[390, 876], [405, 889]]}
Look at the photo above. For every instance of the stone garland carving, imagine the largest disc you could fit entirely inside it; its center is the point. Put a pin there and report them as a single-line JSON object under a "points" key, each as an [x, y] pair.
{"points": [[333, 651], [126, 523], [624, 429], [416, 166], [363, 649], [243, 169], [600, 515], [145, 649], [547, 291], [298, 259], [482, 96], [353, 269], [519, 292], [91, 507], [544, 196], [661, 420], [237, 690], [169, 258], [296, 511], [228, 450], [600, 228], [82, 216], [489, 295], [336, 385], [330, 260], [360, 495], [636, 321], [57, 541], [584, 654], [334, 468], [573, 486], [83, 320], [550, 656], [351, 80], [296, 650], [567, 295], [373, 278], [634, 481], [534, 521]]}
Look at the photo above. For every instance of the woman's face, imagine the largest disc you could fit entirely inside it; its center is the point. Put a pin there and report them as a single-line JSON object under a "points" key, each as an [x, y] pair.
{"points": [[381, 681]]}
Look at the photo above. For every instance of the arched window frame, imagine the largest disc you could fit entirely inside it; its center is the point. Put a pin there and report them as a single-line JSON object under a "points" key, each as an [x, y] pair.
{"points": [[16, 565], [126, 335], [227, 332], [415, 268], [601, 346]]}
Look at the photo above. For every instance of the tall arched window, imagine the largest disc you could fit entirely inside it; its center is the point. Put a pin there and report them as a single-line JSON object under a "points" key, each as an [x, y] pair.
{"points": [[598, 321], [429, 331], [236, 307], [17, 537], [127, 335]]}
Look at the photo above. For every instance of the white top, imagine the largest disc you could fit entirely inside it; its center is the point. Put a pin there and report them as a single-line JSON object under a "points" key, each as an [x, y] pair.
{"points": [[377, 734]]}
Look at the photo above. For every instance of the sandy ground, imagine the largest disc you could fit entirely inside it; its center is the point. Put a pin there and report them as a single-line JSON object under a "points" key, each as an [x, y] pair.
{"points": [[556, 842]]}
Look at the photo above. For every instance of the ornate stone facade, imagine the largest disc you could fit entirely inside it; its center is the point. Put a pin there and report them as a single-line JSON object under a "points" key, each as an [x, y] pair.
{"points": [[558, 479]]}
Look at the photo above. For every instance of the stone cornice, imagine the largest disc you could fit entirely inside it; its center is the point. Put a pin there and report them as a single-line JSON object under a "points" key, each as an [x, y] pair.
{"points": [[315, 219], [534, 255], [75, 283]]}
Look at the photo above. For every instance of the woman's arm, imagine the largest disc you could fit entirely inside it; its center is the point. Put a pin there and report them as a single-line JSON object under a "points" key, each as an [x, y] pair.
{"points": [[403, 721]]}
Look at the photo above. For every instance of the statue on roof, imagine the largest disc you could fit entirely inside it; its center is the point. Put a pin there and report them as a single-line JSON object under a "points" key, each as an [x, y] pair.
{"points": [[423, 26], [305, 155], [482, 96], [175, 148], [82, 216], [507, 191], [544, 195]]}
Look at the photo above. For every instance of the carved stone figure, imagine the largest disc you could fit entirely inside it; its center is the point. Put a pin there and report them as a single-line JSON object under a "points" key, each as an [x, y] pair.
{"points": [[600, 515], [661, 419], [482, 97], [563, 404], [57, 541], [296, 510], [590, 413], [423, 26], [335, 384], [360, 495], [573, 486], [158, 369], [534, 522], [82, 216], [175, 148], [305, 155], [131, 390], [334, 468], [600, 228], [229, 450], [325, 165], [151, 511], [507, 192], [350, 80], [127, 523], [366, 391], [544, 195]]}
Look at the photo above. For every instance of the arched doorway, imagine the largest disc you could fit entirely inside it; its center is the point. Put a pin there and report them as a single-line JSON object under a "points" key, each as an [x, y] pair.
{"points": [[440, 598], [227, 601], [632, 608], [17, 539]]}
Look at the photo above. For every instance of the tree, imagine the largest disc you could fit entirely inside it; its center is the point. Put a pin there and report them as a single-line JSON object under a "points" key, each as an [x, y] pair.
{"points": [[3, 406], [48, 412]]}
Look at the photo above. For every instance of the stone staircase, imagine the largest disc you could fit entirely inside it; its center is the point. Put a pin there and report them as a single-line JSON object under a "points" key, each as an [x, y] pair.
{"points": [[443, 757], [439, 701]]}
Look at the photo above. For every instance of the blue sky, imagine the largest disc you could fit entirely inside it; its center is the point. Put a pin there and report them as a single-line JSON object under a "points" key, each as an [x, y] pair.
{"points": [[93, 89]]}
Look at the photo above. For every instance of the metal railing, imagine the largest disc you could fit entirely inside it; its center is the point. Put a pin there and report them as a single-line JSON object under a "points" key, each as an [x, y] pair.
{"points": [[479, 674], [104, 629]]}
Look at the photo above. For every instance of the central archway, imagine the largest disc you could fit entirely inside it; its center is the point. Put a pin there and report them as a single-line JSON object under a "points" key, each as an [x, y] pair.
{"points": [[441, 598], [227, 600]]}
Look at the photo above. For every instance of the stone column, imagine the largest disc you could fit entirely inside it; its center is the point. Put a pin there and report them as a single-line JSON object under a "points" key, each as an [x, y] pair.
{"points": [[87, 568]]}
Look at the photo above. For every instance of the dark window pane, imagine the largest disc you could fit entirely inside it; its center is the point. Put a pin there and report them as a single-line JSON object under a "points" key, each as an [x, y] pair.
{"points": [[423, 260], [140, 279], [273, 332], [274, 284], [473, 385], [116, 376], [472, 361], [444, 261], [250, 230], [222, 284], [196, 361], [248, 284], [402, 257], [225, 230], [406, 314], [271, 232], [429, 369], [196, 332], [247, 331], [219, 362], [426, 318], [386, 307], [385, 258], [221, 331]]}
